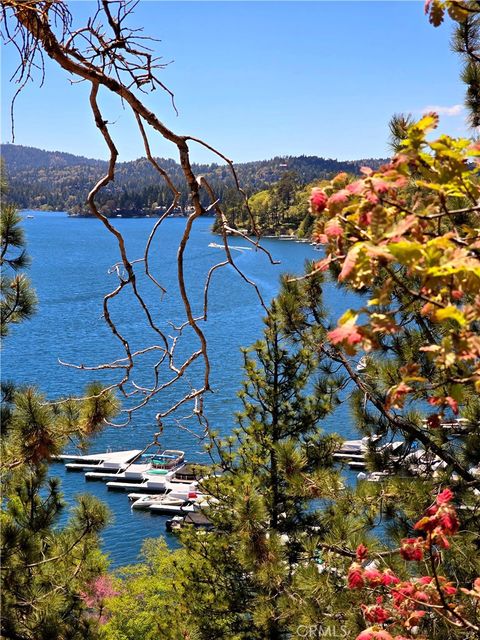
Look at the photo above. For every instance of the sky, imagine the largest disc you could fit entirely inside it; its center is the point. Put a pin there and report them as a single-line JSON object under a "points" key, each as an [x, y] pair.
{"points": [[258, 80]]}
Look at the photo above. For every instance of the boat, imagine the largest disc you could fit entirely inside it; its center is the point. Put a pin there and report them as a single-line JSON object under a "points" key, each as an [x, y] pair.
{"points": [[355, 449], [421, 462], [146, 484], [30, 217], [166, 460], [374, 476], [416, 463], [457, 426], [155, 467], [395, 449], [171, 498], [215, 245], [193, 504]]}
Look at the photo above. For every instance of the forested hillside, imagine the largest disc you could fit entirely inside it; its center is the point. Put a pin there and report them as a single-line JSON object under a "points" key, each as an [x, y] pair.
{"points": [[61, 181]]}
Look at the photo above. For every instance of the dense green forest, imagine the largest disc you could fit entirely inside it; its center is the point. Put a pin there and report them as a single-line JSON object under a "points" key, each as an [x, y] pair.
{"points": [[280, 209], [60, 181]]}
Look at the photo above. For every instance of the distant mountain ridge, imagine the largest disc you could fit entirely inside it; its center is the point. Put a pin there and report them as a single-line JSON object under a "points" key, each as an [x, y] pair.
{"points": [[61, 181]]}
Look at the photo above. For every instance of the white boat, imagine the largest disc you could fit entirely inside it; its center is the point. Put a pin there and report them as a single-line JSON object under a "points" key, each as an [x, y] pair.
{"points": [[416, 463], [456, 426], [215, 245], [162, 484], [374, 476], [421, 462], [394, 448], [354, 449], [154, 468], [172, 498], [192, 505], [175, 509], [167, 459]]}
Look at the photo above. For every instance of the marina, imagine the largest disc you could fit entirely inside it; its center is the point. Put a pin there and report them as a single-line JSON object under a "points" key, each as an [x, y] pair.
{"points": [[161, 482], [81, 333]]}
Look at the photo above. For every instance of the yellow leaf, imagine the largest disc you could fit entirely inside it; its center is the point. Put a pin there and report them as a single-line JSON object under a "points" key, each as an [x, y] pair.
{"points": [[451, 313], [349, 317]]}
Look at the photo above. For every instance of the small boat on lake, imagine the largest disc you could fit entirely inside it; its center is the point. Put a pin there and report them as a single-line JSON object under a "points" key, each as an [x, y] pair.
{"points": [[355, 449], [167, 460], [157, 467], [191, 505], [418, 463], [395, 449], [171, 498], [147, 484], [215, 245]]}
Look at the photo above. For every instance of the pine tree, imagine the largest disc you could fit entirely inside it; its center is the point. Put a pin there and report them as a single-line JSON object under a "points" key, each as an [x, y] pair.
{"points": [[44, 566], [17, 298], [466, 42], [276, 467]]}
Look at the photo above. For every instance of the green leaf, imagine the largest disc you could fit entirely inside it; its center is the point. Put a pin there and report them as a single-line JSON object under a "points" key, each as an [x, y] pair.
{"points": [[405, 251]]}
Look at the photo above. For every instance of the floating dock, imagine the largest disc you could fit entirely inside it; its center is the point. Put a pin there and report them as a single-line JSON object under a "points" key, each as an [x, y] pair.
{"points": [[109, 460]]}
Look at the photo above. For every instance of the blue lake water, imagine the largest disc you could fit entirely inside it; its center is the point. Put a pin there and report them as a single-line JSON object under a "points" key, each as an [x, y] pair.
{"points": [[71, 259]]}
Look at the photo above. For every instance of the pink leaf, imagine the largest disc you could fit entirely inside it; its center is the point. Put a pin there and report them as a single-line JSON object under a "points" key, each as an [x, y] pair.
{"points": [[349, 263]]}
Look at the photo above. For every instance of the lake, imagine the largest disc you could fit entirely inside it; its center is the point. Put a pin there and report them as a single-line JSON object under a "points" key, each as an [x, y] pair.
{"points": [[71, 272]]}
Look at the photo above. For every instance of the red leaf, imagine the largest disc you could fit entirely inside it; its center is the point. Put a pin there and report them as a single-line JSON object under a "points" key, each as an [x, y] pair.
{"points": [[347, 333]]}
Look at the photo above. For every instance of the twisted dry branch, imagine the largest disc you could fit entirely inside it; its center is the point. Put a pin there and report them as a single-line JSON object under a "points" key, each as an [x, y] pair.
{"points": [[111, 56]]}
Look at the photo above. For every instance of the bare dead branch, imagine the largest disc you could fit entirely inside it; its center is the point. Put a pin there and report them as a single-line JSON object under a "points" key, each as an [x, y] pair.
{"points": [[112, 56]]}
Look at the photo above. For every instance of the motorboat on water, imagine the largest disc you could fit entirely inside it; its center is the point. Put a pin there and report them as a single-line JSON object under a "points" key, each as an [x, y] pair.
{"points": [[174, 497], [355, 449], [417, 463], [215, 245], [156, 468], [191, 505], [395, 449], [167, 460], [146, 484], [374, 476]]}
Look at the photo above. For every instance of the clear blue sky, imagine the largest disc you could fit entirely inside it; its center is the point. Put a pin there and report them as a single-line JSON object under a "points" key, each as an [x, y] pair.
{"points": [[259, 79]]}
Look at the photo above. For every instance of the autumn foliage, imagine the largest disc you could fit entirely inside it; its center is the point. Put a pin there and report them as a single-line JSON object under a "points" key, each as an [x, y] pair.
{"points": [[398, 606], [408, 228]]}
